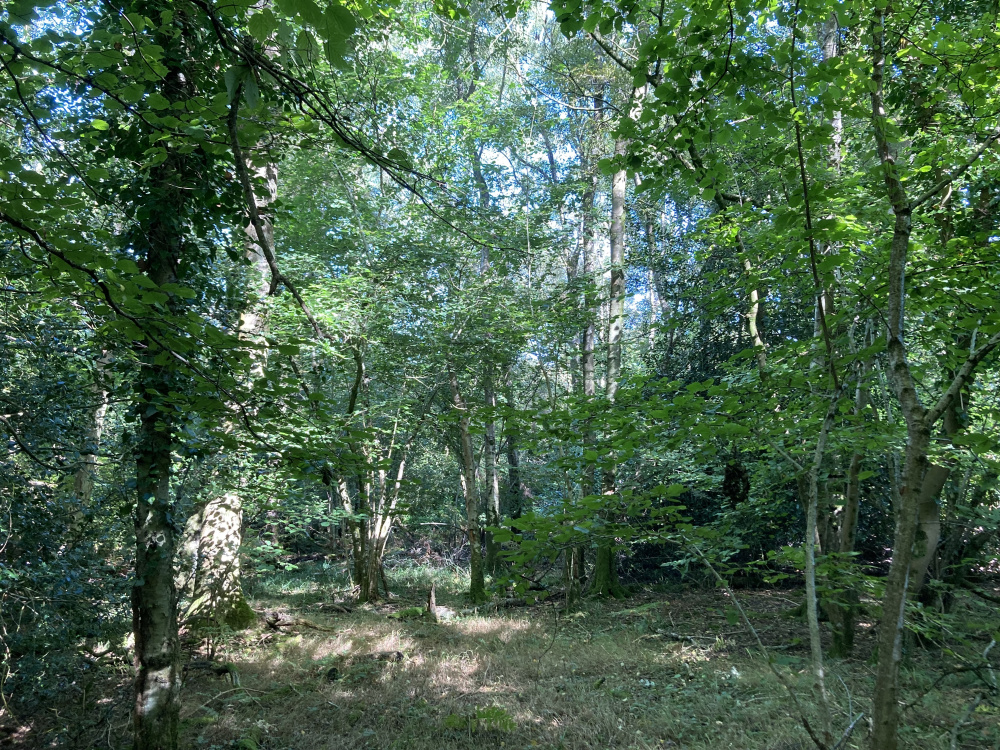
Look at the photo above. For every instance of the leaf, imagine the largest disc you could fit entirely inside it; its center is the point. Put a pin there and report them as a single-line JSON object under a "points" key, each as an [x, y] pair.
{"points": [[400, 157], [251, 92], [338, 22], [158, 101], [308, 11], [262, 25], [22, 12], [234, 77], [334, 48], [99, 125]]}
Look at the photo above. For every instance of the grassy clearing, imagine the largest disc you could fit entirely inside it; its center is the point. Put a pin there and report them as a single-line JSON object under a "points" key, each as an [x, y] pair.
{"points": [[611, 675]]}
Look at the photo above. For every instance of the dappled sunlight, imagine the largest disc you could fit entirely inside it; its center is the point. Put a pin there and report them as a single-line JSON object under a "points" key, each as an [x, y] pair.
{"points": [[607, 676], [503, 628]]}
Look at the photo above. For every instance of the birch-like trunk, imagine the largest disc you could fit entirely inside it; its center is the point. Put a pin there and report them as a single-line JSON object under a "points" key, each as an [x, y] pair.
{"points": [[477, 584], [605, 566], [210, 577]]}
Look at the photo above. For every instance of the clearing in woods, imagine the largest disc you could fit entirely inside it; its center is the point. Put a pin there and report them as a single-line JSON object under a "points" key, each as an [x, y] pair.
{"points": [[661, 669], [667, 668]]}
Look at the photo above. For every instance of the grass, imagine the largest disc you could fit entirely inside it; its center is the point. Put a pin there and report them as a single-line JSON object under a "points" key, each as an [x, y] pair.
{"points": [[610, 675]]}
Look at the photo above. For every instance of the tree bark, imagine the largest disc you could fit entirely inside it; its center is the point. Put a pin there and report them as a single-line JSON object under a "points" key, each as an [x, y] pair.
{"points": [[154, 600], [492, 478], [477, 584], [210, 549], [919, 419], [83, 478], [606, 569]]}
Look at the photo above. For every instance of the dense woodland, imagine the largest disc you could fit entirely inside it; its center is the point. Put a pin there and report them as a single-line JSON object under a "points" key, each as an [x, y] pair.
{"points": [[559, 343]]}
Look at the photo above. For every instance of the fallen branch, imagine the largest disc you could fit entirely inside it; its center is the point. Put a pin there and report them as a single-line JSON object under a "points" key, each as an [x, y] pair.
{"points": [[278, 620]]}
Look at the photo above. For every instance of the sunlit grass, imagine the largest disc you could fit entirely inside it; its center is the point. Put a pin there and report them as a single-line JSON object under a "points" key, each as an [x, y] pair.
{"points": [[606, 676]]}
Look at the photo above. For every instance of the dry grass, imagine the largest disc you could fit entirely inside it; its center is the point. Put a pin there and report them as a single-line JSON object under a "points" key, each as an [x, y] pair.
{"points": [[610, 675], [602, 677]]}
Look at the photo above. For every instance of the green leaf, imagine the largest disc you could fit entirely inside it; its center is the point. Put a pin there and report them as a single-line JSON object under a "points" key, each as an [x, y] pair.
{"points": [[400, 157], [157, 101], [22, 12], [234, 77], [308, 11], [338, 22], [262, 25], [251, 92], [99, 125]]}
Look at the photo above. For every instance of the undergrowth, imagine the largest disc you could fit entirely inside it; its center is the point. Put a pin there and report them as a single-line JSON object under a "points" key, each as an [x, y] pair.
{"points": [[666, 668]]}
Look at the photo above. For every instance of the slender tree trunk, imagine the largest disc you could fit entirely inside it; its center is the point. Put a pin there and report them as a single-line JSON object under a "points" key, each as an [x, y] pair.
{"points": [[83, 478], [573, 557], [919, 419], [606, 569], [492, 479], [477, 584], [842, 611], [518, 492], [154, 600]]}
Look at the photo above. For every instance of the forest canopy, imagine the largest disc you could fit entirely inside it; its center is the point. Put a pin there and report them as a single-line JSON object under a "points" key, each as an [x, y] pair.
{"points": [[467, 319]]}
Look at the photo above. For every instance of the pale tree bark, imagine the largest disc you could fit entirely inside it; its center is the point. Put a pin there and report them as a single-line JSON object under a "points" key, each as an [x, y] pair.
{"points": [[573, 556], [575, 567], [489, 394], [605, 566], [85, 475], [919, 419], [492, 477], [210, 573], [477, 584]]}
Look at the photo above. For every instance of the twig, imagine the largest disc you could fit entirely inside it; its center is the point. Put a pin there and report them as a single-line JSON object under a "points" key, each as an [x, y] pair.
{"points": [[847, 732], [957, 729], [225, 692], [763, 649]]}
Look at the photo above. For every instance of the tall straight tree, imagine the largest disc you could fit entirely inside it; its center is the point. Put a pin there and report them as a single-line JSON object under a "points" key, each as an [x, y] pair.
{"points": [[605, 564], [160, 239]]}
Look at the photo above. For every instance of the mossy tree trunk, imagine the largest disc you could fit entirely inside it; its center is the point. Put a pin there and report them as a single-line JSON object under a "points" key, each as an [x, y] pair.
{"points": [[159, 239]]}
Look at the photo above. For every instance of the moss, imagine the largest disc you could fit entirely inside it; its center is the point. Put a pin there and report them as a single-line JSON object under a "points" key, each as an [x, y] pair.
{"points": [[240, 616]]}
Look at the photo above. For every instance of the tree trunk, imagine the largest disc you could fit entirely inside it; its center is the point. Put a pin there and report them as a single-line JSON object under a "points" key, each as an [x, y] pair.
{"points": [[83, 478], [929, 522], [492, 479], [518, 495], [919, 419], [606, 569], [477, 584], [213, 535], [154, 599], [210, 550]]}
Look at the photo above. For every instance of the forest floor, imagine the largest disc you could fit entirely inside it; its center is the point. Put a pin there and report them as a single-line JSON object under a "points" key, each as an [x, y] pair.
{"points": [[666, 668]]}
